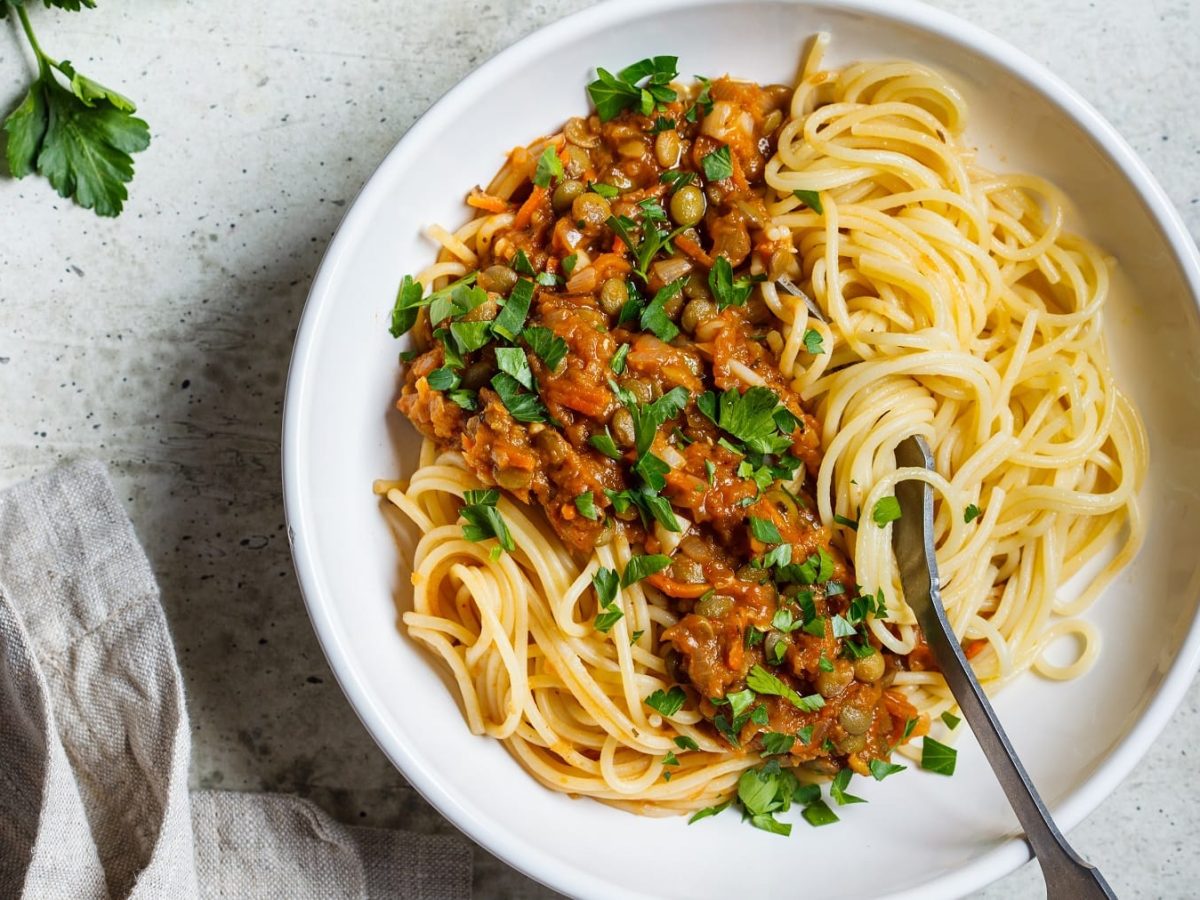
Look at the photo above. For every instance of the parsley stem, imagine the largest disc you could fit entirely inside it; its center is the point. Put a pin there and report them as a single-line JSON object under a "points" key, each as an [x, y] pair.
{"points": [[44, 62]]}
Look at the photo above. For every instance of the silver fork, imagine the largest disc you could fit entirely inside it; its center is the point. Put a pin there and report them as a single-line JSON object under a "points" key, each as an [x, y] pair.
{"points": [[1068, 876]]}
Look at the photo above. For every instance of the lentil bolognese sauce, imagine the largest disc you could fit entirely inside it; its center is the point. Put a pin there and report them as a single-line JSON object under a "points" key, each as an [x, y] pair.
{"points": [[625, 560]]}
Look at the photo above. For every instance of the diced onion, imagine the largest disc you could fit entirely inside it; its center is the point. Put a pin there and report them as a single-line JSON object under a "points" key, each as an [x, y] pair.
{"points": [[672, 269]]}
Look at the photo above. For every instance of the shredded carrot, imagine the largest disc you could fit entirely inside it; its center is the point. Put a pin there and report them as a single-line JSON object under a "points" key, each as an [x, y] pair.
{"points": [[739, 177], [694, 250], [486, 202], [673, 588], [609, 264], [591, 400], [974, 648], [536, 197]]}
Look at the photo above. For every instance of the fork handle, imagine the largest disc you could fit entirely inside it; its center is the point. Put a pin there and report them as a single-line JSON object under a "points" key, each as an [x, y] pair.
{"points": [[1068, 876]]}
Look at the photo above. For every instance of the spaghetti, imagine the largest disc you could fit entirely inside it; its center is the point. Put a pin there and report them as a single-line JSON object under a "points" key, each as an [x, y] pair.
{"points": [[953, 304]]}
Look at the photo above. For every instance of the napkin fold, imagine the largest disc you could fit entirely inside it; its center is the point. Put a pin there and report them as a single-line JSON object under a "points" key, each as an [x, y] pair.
{"points": [[95, 745]]}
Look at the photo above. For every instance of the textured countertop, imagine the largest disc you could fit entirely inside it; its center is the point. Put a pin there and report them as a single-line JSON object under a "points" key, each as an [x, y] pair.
{"points": [[159, 342]]}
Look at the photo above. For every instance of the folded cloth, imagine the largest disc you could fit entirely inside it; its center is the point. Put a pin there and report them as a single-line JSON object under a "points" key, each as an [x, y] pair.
{"points": [[94, 739]]}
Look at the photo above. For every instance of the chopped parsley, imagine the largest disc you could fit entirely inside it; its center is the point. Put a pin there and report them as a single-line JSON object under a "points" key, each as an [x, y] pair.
{"points": [[666, 703], [605, 583], [442, 379], [727, 290], [971, 513], [607, 191], [617, 363], [640, 567], [950, 719], [654, 317], [683, 742], [549, 167], [521, 264], [709, 811], [676, 178], [606, 619], [717, 165], [613, 94], [837, 789], [513, 361], [776, 744], [749, 417], [470, 336], [937, 757], [811, 199], [670, 759], [546, 345], [818, 814], [887, 509], [568, 264], [849, 523], [881, 769], [605, 444], [523, 407], [813, 342], [483, 520], [765, 530], [586, 504], [763, 682]]}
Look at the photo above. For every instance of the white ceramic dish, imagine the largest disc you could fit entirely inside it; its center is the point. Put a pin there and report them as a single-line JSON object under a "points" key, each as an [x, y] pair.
{"points": [[923, 835]]}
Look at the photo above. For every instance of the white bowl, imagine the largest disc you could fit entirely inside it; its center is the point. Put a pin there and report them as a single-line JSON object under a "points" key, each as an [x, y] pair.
{"points": [[920, 835]]}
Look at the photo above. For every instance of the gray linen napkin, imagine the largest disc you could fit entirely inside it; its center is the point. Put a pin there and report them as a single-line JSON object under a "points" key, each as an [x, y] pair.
{"points": [[94, 739]]}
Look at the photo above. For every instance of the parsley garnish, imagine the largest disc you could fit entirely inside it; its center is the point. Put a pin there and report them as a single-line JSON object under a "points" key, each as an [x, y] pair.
{"points": [[464, 398], [667, 703], [887, 509], [80, 136], [654, 318], [971, 513], [728, 290], [442, 379], [470, 336], [908, 729], [763, 682], [837, 789], [633, 638], [513, 361], [818, 814], [568, 264], [849, 523], [640, 567], [605, 583], [521, 264], [612, 94], [881, 769], [950, 719], [717, 165], [683, 742], [765, 530], [546, 345], [811, 199], [813, 342], [586, 504], [522, 406], [607, 619], [605, 444], [617, 363], [607, 191], [676, 178], [937, 757], [708, 811], [483, 519], [409, 300], [776, 744], [704, 104], [549, 167]]}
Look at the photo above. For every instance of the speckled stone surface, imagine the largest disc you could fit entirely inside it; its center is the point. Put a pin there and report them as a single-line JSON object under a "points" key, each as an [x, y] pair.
{"points": [[159, 342]]}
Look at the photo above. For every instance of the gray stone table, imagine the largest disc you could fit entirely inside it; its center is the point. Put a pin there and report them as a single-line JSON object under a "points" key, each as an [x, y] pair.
{"points": [[159, 342]]}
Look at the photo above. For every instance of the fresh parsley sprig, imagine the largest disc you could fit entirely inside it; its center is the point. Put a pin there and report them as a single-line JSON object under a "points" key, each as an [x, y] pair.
{"points": [[613, 94], [80, 135]]}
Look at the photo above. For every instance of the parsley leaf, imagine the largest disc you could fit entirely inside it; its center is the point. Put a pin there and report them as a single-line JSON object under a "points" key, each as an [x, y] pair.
{"points": [[971, 513], [404, 310], [549, 167], [80, 136], [708, 811], [813, 342], [613, 94], [676, 178], [811, 199], [521, 264], [546, 345], [937, 757], [522, 406], [765, 530], [728, 290], [849, 523], [617, 363], [605, 444], [607, 619], [748, 417], [607, 191], [654, 317], [511, 319], [887, 509], [470, 336], [837, 789], [666, 703], [605, 583], [763, 682], [683, 742], [483, 519], [717, 165], [443, 379], [586, 504], [776, 744], [640, 567], [881, 769], [513, 361], [818, 814], [950, 719]]}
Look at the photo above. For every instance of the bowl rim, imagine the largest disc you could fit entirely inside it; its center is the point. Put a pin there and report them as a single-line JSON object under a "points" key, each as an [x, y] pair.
{"points": [[531, 859]]}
